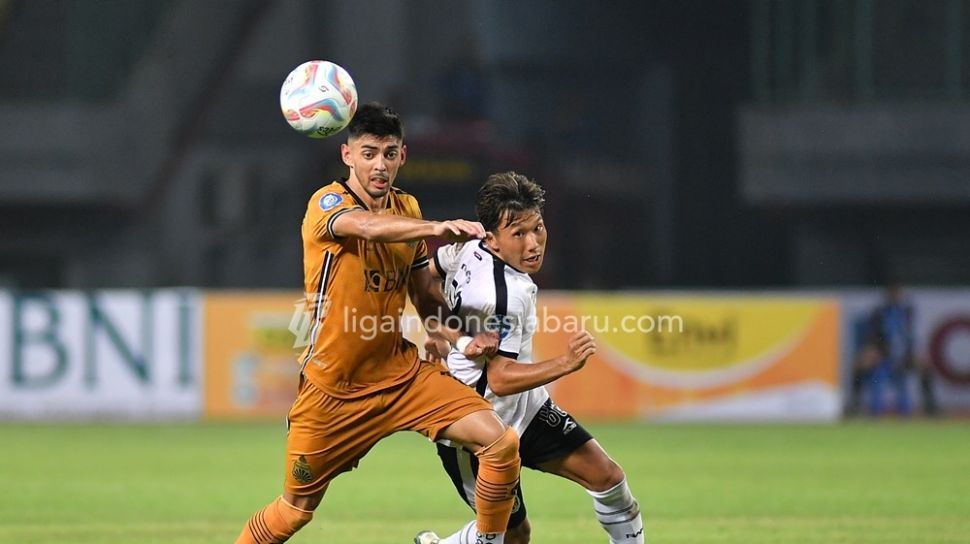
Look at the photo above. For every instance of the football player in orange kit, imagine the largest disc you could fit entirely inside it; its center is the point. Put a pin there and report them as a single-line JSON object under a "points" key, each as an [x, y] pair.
{"points": [[364, 251]]}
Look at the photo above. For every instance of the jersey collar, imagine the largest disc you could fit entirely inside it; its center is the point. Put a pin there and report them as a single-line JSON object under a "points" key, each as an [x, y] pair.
{"points": [[484, 248], [360, 201]]}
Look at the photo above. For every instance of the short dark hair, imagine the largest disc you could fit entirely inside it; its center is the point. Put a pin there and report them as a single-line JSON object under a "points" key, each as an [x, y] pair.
{"points": [[506, 195], [375, 119]]}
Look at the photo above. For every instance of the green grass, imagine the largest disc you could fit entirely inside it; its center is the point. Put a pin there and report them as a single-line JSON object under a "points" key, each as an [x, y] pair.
{"points": [[890, 482]]}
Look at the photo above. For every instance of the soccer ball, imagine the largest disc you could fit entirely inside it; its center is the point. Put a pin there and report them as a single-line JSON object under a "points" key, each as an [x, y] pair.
{"points": [[318, 98]]}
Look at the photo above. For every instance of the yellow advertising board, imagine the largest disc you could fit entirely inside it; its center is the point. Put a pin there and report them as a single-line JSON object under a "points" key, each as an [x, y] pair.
{"points": [[696, 357], [252, 350], [251, 353], [673, 357]]}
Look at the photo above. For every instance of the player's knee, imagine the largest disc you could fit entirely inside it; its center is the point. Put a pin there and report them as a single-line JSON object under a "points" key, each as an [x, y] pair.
{"points": [[608, 478], [293, 516], [303, 502], [276, 522], [519, 534], [504, 451]]}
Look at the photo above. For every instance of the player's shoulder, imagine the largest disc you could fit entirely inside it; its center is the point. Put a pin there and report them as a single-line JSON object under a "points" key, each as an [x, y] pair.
{"points": [[404, 196], [401, 193], [331, 195], [406, 201], [473, 257], [496, 277], [333, 187]]}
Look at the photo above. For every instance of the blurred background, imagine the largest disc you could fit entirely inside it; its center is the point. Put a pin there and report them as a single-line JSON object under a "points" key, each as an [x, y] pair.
{"points": [[793, 148], [759, 171], [703, 144]]}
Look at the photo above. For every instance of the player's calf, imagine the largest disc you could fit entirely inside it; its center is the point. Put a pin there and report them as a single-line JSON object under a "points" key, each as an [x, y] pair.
{"points": [[521, 534], [274, 524], [619, 514], [498, 474]]}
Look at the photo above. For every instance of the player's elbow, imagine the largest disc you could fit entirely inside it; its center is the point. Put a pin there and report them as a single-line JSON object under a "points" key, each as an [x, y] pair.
{"points": [[368, 230], [500, 391], [364, 226], [500, 385]]}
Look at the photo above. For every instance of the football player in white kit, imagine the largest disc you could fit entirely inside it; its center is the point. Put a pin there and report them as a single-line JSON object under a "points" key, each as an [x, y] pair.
{"points": [[488, 288]]}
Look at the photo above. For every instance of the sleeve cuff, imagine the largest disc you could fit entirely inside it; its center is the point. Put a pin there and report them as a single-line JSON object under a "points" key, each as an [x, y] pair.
{"points": [[335, 216], [437, 263]]}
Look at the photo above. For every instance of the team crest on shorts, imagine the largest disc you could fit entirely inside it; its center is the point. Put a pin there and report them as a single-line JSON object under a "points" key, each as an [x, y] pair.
{"points": [[301, 471], [329, 200]]}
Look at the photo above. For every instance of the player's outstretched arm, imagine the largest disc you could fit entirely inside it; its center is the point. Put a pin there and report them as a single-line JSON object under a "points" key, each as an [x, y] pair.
{"points": [[377, 227], [445, 260], [507, 376]]}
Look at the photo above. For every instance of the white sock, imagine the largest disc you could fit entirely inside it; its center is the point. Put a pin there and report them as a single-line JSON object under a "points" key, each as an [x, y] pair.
{"points": [[469, 535], [619, 514], [461, 537]]}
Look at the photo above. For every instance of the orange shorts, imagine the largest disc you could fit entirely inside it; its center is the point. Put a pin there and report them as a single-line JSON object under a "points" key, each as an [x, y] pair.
{"points": [[328, 435]]}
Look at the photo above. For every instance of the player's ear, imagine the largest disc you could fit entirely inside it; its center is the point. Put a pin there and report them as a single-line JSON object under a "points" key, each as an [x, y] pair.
{"points": [[491, 242], [404, 154], [345, 155]]}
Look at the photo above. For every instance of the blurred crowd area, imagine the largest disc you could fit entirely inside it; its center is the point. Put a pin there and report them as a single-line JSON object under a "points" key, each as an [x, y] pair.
{"points": [[725, 144]]}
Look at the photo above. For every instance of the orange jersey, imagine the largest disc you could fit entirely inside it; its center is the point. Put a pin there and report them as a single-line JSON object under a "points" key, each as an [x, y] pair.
{"points": [[356, 292]]}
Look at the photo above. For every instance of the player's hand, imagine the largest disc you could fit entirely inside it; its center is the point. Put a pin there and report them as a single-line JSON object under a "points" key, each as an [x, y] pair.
{"points": [[485, 343], [581, 346], [459, 230], [436, 349]]}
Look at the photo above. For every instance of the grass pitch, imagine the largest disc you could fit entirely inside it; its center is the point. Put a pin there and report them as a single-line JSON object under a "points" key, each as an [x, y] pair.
{"points": [[886, 482]]}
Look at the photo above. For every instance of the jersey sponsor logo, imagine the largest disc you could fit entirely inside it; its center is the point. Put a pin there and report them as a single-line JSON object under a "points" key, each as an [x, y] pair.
{"points": [[329, 200], [379, 281], [301, 471], [477, 255]]}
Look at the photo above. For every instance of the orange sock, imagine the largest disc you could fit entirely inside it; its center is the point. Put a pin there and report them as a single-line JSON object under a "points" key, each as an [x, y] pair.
{"points": [[498, 473], [274, 524]]}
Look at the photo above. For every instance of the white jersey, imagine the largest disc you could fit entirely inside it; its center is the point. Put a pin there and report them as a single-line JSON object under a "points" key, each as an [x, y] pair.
{"points": [[488, 294]]}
